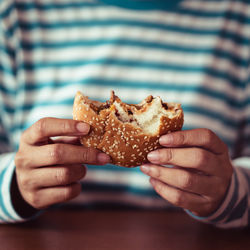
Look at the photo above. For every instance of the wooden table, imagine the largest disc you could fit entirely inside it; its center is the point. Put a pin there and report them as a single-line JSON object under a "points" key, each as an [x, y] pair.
{"points": [[119, 229]]}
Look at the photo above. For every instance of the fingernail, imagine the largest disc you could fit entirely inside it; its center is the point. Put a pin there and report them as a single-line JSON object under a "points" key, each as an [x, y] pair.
{"points": [[103, 158], [82, 127], [145, 169], [166, 139], [154, 156]]}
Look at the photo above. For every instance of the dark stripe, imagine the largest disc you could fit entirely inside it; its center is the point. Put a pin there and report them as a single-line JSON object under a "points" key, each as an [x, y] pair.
{"points": [[3, 139], [55, 5], [116, 188], [113, 168], [239, 210], [232, 202], [9, 51], [234, 16], [136, 64]]}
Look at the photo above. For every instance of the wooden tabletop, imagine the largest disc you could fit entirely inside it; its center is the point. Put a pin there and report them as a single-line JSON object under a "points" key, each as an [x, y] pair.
{"points": [[73, 229]]}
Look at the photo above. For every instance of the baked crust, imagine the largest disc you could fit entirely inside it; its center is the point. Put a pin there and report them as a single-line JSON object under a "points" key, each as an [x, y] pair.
{"points": [[126, 143]]}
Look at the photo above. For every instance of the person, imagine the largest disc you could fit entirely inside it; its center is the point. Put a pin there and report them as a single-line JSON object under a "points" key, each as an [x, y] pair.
{"points": [[192, 52]]}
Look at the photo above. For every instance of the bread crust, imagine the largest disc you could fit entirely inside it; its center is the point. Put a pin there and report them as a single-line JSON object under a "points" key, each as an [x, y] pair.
{"points": [[125, 143]]}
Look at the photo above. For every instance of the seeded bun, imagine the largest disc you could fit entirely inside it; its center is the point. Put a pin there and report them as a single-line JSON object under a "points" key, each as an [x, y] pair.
{"points": [[127, 132]]}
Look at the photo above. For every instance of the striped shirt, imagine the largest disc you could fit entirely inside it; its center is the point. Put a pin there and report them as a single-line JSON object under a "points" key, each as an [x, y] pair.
{"points": [[194, 52]]}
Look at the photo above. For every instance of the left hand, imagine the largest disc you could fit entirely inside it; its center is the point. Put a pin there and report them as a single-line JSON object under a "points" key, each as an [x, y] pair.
{"points": [[201, 172]]}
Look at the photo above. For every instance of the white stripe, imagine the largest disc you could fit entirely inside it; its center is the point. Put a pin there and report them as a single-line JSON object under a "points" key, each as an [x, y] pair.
{"points": [[135, 54], [137, 34], [132, 179], [7, 80], [109, 13], [4, 159], [4, 5], [202, 121], [6, 191], [99, 92], [243, 162], [137, 75], [200, 100]]}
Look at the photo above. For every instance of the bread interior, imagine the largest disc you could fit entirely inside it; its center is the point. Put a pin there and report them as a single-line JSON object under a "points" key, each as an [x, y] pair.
{"points": [[147, 117]]}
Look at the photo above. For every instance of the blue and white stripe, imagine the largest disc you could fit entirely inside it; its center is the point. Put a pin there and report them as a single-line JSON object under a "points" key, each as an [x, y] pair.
{"points": [[195, 52]]}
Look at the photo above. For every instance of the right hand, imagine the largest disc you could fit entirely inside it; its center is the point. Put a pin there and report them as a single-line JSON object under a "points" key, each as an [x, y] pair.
{"points": [[48, 172]]}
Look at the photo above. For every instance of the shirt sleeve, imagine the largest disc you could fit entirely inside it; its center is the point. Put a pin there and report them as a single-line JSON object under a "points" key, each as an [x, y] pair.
{"points": [[7, 211], [7, 99]]}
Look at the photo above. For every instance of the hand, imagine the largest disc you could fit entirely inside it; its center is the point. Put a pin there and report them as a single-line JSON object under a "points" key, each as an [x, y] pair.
{"points": [[201, 170], [48, 171]]}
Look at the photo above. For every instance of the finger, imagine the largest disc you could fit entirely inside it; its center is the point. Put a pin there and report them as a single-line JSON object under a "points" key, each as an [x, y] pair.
{"points": [[49, 127], [203, 138], [195, 158], [182, 179], [57, 175], [65, 154], [46, 197], [179, 197]]}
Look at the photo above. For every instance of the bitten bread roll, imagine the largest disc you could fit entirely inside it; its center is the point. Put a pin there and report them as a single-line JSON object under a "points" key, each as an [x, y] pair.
{"points": [[127, 132]]}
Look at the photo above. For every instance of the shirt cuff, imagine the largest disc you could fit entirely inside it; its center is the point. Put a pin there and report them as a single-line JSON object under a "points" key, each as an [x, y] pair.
{"points": [[7, 211]]}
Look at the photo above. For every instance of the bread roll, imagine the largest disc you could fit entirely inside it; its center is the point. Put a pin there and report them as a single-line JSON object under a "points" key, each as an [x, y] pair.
{"points": [[127, 132]]}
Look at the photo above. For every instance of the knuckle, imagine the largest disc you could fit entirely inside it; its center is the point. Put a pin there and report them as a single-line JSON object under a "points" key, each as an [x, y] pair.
{"points": [[181, 139], [40, 126], [18, 160], [23, 180], [66, 127], [34, 200], [22, 161], [56, 153], [186, 181], [62, 176], [23, 136], [159, 188], [158, 172], [178, 198], [166, 155], [71, 192], [225, 148], [208, 136], [81, 173], [88, 155], [201, 157]]}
